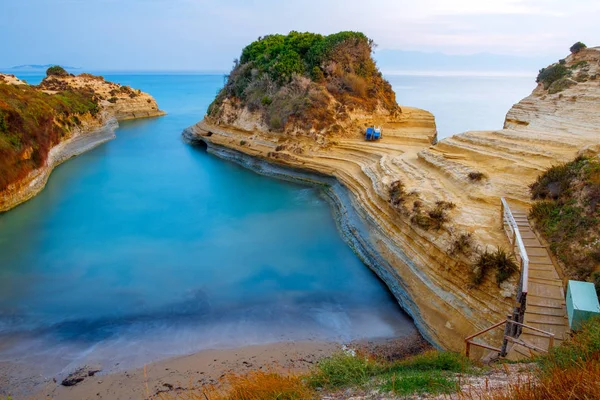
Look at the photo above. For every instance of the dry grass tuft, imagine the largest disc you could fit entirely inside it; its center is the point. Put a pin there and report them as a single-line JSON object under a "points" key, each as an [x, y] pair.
{"points": [[576, 383], [255, 385]]}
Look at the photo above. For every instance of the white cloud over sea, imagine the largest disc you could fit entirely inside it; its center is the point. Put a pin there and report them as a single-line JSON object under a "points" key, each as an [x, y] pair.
{"points": [[208, 34]]}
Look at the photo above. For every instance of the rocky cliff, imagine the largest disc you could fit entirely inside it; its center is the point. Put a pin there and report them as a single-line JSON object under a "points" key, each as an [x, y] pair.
{"points": [[426, 210], [42, 126]]}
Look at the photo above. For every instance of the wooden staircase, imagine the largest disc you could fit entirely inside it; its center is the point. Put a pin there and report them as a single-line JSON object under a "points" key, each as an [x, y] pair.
{"points": [[546, 309], [539, 320]]}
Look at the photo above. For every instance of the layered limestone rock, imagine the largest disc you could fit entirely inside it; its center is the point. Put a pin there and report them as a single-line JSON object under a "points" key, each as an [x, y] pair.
{"points": [[423, 266], [121, 102], [115, 103]]}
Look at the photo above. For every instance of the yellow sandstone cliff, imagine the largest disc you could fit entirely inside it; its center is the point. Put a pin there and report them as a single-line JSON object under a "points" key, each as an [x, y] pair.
{"points": [[473, 170]]}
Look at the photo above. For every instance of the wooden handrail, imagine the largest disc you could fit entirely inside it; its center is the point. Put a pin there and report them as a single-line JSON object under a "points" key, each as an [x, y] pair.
{"points": [[509, 219], [469, 342], [532, 328], [485, 330]]}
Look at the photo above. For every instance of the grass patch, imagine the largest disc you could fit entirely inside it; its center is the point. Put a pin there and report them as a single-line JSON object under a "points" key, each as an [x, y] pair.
{"points": [[431, 372], [418, 382], [344, 370], [569, 371], [566, 212]]}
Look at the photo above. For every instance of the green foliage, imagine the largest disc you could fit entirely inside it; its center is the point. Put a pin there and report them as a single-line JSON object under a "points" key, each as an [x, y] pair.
{"points": [[560, 85], [418, 382], [343, 370], [577, 47], [567, 214], [56, 70], [556, 181], [431, 372], [549, 75], [504, 264], [287, 79], [31, 122], [584, 346]]}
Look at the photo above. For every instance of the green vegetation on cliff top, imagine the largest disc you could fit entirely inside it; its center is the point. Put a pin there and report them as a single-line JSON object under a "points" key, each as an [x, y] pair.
{"points": [[290, 80], [31, 122]]}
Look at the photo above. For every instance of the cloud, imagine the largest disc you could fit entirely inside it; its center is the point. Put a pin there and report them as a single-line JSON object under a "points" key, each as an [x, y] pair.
{"points": [[208, 34]]}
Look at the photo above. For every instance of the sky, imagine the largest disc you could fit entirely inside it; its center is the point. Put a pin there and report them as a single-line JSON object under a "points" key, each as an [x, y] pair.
{"points": [[208, 34]]}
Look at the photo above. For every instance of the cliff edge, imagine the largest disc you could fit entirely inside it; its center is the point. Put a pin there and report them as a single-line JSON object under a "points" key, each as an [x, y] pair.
{"points": [[42, 126], [431, 209]]}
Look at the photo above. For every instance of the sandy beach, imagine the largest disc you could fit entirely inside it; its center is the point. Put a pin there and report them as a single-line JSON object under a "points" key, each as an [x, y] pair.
{"points": [[173, 375], [182, 374]]}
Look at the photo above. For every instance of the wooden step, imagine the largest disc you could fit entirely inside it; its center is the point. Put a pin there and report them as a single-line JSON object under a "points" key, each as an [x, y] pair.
{"points": [[543, 281], [550, 312], [553, 323], [539, 335], [537, 304], [542, 260]]}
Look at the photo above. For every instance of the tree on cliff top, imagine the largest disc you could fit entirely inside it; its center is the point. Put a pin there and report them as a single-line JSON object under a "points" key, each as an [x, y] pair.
{"points": [[291, 78], [577, 47], [56, 70]]}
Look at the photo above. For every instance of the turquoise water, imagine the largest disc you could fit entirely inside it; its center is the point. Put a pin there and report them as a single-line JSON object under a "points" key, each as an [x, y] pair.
{"points": [[462, 103], [146, 247]]}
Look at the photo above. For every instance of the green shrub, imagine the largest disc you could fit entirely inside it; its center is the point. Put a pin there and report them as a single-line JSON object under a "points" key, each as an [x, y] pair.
{"points": [[266, 100], [577, 47], [113, 100], [32, 119], [56, 71], [343, 370], [504, 264], [431, 372], [551, 74], [582, 347], [286, 78], [567, 214], [560, 85]]}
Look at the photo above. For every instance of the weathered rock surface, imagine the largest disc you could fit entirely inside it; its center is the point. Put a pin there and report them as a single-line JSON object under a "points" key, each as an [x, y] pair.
{"points": [[117, 103], [431, 281]]}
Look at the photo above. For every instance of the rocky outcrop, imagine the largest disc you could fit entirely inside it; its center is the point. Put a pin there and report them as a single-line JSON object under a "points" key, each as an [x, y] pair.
{"points": [[121, 102], [115, 103], [424, 268]]}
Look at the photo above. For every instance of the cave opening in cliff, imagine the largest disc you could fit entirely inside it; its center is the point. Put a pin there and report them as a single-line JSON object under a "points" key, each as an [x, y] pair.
{"points": [[201, 144]]}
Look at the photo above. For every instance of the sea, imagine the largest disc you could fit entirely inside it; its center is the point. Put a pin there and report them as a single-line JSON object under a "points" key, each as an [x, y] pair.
{"points": [[146, 247]]}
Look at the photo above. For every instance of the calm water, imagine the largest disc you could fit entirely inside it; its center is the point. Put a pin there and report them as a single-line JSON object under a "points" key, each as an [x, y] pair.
{"points": [[462, 103], [146, 247]]}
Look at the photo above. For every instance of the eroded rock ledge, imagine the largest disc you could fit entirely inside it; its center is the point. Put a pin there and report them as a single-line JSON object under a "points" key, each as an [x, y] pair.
{"points": [[115, 103], [472, 170]]}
